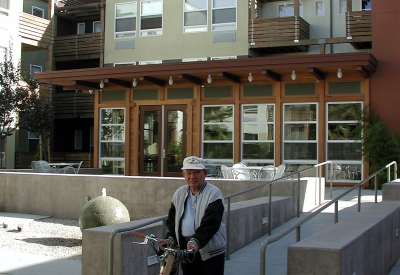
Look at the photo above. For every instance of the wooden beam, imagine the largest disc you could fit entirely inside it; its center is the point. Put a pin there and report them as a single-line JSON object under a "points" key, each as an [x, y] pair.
{"points": [[363, 72], [232, 77], [317, 73], [118, 82], [88, 84], [190, 78], [272, 75], [156, 81]]}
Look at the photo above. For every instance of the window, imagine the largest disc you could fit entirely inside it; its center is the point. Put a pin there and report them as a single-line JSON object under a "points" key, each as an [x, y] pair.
{"points": [[37, 12], [300, 133], [342, 6], [151, 17], [288, 10], [4, 7], [366, 5], [81, 28], [112, 140], [96, 26], [78, 140], [223, 15], [35, 69], [217, 132], [342, 135], [258, 134], [33, 142], [319, 8], [195, 16], [125, 20]]}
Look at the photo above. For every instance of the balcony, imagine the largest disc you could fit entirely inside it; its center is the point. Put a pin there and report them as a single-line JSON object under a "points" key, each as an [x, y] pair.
{"points": [[73, 105], [34, 32], [359, 29], [78, 47], [278, 35]]}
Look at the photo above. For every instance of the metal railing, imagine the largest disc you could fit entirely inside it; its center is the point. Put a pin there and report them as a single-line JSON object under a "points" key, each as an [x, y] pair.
{"points": [[335, 201], [228, 198]]}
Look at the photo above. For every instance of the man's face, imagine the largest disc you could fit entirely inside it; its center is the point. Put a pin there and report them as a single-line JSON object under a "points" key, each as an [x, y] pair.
{"points": [[194, 178]]}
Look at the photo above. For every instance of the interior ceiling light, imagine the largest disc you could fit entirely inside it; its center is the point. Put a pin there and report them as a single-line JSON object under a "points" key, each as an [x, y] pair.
{"points": [[170, 81], [134, 82], [101, 84], [250, 77], [293, 75], [209, 79], [339, 73]]}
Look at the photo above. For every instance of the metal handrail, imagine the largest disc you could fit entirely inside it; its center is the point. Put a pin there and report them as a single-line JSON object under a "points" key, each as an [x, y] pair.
{"points": [[228, 218], [334, 201], [163, 218]]}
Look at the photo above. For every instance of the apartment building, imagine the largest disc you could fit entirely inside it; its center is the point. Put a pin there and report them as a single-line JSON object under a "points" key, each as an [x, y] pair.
{"points": [[267, 82]]}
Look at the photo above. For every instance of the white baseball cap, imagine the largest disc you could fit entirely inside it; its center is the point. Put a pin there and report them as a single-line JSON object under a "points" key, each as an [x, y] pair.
{"points": [[193, 163]]}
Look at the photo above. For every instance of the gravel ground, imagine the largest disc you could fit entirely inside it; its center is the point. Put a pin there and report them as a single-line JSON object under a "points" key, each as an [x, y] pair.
{"points": [[50, 237]]}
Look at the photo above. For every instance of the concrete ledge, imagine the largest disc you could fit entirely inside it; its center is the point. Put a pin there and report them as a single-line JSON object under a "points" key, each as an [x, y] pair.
{"points": [[246, 226], [366, 243], [391, 191]]}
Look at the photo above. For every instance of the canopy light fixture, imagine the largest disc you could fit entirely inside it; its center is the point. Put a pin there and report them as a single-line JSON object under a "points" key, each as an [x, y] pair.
{"points": [[170, 81], [134, 82], [293, 75], [339, 73], [250, 77], [101, 84], [209, 79]]}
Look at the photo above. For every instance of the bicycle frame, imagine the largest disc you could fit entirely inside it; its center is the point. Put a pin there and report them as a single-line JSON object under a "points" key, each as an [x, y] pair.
{"points": [[170, 257]]}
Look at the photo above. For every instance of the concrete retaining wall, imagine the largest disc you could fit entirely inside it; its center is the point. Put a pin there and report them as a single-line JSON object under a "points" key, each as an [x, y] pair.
{"points": [[63, 196], [246, 226], [366, 243]]}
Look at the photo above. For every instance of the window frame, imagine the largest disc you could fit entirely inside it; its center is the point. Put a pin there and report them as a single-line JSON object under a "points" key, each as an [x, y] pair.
{"points": [[123, 140], [317, 8], [244, 141], [342, 7], [38, 9], [94, 27], [78, 138], [5, 11], [223, 26], [32, 67], [125, 34], [299, 141], [154, 31], [78, 25], [338, 163], [195, 28], [230, 123]]}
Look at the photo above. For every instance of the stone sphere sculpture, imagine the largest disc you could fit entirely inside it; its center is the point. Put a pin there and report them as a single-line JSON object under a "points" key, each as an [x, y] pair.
{"points": [[102, 211]]}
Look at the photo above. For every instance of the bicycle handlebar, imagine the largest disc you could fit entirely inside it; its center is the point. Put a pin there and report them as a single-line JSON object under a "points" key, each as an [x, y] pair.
{"points": [[163, 248]]}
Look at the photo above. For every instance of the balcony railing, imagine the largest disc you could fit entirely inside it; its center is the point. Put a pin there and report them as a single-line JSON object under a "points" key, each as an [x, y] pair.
{"points": [[79, 46], [359, 29], [35, 31], [73, 105], [279, 34]]}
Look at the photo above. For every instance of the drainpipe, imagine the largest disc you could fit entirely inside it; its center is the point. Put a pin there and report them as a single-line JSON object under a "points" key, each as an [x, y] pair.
{"points": [[331, 25]]}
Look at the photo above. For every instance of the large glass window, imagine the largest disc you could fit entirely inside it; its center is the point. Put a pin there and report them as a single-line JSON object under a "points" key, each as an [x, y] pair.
{"points": [[224, 15], [112, 140], [151, 12], [258, 133], [300, 133], [217, 133], [366, 4], [343, 148], [194, 16], [125, 20]]}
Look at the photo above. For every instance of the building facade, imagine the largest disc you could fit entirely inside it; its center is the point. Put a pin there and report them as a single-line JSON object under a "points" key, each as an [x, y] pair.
{"points": [[266, 82]]}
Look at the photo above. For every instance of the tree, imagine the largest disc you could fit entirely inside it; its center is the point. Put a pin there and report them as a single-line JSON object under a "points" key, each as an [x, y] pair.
{"points": [[36, 113], [12, 94]]}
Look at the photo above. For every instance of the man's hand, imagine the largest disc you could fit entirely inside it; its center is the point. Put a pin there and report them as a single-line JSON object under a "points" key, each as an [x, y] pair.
{"points": [[193, 246], [164, 242]]}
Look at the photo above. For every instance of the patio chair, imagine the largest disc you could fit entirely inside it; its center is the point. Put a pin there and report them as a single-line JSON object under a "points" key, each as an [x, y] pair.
{"points": [[280, 171], [42, 166], [226, 172], [240, 174], [267, 173]]}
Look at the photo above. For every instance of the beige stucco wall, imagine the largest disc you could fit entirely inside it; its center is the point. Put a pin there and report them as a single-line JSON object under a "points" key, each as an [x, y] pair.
{"points": [[173, 44]]}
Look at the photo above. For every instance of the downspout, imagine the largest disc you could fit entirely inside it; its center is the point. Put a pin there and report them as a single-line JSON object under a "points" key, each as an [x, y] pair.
{"points": [[331, 25]]}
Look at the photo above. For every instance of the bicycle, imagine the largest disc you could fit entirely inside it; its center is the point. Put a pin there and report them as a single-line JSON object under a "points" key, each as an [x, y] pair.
{"points": [[168, 257]]}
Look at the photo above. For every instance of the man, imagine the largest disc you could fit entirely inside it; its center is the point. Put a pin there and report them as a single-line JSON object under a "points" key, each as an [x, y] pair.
{"points": [[196, 221]]}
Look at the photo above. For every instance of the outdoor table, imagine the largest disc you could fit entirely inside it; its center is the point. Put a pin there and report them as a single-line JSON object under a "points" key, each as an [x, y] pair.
{"points": [[63, 165]]}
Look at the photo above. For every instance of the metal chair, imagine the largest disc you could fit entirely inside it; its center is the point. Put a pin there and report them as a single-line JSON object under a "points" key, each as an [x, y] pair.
{"points": [[226, 172], [280, 171], [267, 173], [42, 166]]}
